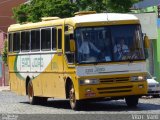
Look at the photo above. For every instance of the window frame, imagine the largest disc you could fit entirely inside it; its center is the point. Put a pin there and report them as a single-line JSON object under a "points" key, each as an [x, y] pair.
{"points": [[25, 39], [39, 49], [46, 49], [10, 42], [59, 46], [17, 50], [54, 38]]}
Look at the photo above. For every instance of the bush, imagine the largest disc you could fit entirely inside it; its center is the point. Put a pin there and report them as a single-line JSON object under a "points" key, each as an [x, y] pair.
{"points": [[5, 53]]}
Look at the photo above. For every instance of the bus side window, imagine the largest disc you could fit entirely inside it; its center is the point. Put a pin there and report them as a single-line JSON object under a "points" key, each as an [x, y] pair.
{"points": [[54, 38], [16, 42], [10, 42], [46, 39], [35, 40], [25, 41], [59, 38]]}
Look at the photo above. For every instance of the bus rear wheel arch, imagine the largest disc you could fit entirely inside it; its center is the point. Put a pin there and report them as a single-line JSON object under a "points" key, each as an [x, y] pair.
{"points": [[27, 81], [34, 100]]}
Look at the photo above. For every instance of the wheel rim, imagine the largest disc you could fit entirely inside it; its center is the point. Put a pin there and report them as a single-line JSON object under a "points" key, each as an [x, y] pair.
{"points": [[30, 91], [72, 97]]}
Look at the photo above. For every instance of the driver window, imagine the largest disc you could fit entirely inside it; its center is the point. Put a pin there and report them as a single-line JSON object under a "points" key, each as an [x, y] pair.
{"points": [[68, 53], [70, 56]]}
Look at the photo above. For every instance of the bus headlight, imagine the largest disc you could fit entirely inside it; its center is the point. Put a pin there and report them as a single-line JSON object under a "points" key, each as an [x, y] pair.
{"points": [[138, 78], [88, 81]]}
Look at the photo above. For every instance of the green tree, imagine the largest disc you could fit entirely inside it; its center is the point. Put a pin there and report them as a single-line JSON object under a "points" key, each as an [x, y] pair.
{"points": [[121, 6], [5, 52], [21, 13], [36, 9], [106, 5], [91, 5]]}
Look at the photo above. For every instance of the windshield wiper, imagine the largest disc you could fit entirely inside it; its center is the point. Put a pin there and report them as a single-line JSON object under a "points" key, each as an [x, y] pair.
{"points": [[130, 60]]}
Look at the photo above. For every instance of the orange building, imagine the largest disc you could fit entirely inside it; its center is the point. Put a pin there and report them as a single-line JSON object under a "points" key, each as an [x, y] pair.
{"points": [[6, 20], [6, 13]]}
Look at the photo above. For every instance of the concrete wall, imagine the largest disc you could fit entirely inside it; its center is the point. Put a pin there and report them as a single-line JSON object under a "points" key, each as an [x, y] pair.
{"points": [[149, 24], [155, 51], [2, 38], [1, 72]]}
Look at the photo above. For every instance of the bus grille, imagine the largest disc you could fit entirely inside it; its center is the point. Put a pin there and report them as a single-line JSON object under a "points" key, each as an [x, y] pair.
{"points": [[116, 89], [114, 80]]}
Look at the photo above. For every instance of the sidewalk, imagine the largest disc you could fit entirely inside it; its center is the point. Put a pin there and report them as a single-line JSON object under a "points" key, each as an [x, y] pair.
{"points": [[4, 88]]}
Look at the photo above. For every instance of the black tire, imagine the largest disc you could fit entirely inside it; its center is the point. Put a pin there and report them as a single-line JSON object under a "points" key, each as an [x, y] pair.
{"points": [[31, 97], [75, 104], [132, 101], [34, 100]]}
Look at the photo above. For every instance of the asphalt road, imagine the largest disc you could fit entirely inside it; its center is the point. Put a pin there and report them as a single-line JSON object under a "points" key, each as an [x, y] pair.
{"points": [[17, 107]]}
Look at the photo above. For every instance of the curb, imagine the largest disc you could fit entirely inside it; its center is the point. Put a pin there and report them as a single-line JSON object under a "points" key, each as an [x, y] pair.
{"points": [[5, 88]]}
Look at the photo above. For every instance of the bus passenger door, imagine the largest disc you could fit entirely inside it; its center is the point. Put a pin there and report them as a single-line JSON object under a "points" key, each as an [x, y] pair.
{"points": [[58, 60]]}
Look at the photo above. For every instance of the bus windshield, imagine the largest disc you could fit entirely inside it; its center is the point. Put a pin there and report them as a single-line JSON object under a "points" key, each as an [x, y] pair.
{"points": [[109, 43]]}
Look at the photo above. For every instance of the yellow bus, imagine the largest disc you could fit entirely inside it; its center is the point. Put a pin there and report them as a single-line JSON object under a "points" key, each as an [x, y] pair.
{"points": [[86, 57]]}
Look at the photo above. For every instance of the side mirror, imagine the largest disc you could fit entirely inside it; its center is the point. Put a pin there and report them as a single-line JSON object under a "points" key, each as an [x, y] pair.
{"points": [[72, 45], [146, 42]]}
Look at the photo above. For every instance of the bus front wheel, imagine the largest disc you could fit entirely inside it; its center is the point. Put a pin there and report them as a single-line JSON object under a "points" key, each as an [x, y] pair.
{"points": [[75, 104], [132, 101]]}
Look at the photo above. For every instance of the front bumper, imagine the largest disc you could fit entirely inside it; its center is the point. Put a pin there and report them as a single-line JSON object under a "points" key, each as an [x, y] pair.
{"points": [[112, 90], [153, 90]]}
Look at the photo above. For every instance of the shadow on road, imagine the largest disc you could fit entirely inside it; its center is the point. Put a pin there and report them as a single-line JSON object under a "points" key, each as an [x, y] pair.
{"points": [[102, 106]]}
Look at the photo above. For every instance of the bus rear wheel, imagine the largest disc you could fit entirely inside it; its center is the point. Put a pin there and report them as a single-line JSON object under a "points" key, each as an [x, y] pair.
{"points": [[132, 101], [75, 104], [32, 98]]}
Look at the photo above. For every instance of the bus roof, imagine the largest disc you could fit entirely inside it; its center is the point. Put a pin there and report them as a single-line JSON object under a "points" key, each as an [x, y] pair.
{"points": [[87, 18], [101, 17]]}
